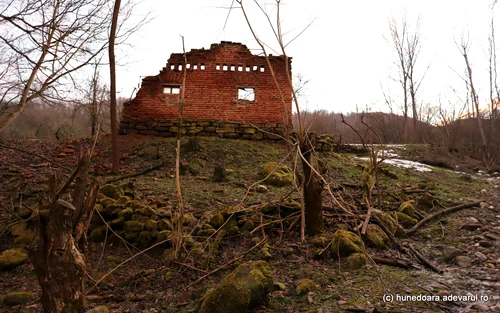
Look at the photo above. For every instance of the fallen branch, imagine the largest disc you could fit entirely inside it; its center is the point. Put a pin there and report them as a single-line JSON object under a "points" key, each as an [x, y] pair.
{"points": [[150, 169], [423, 260], [442, 212], [392, 262]]}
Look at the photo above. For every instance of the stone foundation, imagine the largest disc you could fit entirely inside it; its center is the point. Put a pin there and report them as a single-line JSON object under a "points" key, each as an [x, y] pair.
{"points": [[233, 130]]}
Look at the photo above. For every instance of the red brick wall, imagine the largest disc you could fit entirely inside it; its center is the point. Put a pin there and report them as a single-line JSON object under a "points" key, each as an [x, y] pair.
{"points": [[212, 94]]}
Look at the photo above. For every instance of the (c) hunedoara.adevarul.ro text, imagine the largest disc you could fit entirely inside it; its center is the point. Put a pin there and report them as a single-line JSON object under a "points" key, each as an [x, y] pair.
{"points": [[424, 298]]}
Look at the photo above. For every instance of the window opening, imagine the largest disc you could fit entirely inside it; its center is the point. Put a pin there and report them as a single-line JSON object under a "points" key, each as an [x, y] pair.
{"points": [[248, 68], [240, 68], [224, 67], [195, 66], [217, 67], [202, 67], [246, 93], [255, 68], [232, 68], [262, 68], [172, 90]]}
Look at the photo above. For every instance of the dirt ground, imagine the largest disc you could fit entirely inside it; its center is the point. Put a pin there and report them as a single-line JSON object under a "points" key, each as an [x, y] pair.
{"points": [[130, 281]]}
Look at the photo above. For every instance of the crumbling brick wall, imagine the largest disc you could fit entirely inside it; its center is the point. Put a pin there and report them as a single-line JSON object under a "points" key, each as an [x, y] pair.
{"points": [[226, 83]]}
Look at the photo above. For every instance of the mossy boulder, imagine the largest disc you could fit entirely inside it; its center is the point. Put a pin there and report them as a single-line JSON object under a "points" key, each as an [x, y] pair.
{"points": [[98, 234], [133, 204], [126, 213], [375, 237], [151, 225], [289, 207], [117, 223], [391, 224], [408, 208], [245, 288], [133, 226], [269, 208], [304, 286], [248, 225], [12, 258], [217, 220], [188, 219], [346, 243], [106, 201], [277, 175], [165, 224], [206, 232], [112, 191], [164, 235], [24, 240], [320, 241], [18, 298], [406, 220], [146, 211], [123, 200], [356, 261]]}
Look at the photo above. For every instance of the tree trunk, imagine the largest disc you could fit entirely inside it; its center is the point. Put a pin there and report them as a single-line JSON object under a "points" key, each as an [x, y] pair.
{"points": [[60, 239], [112, 68], [312, 188]]}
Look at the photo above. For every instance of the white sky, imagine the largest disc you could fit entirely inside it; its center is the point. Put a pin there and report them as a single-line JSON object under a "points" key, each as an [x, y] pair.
{"points": [[344, 53]]}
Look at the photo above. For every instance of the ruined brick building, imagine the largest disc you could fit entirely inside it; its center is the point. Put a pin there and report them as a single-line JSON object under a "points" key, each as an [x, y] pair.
{"points": [[229, 92]]}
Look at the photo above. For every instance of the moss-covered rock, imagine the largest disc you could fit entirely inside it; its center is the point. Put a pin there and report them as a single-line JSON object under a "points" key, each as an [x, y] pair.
{"points": [[269, 208], [112, 191], [18, 298], [206, 232], [391, 224], [245, 288], [406, 220], [248, 225], [12, 258], [99, 309], [146, 211], [133, 226], [233, 231], [131, 236], [139, 218], [164, 235], [277, 175], [133, 204], [356, 261], [217, 220], [188, 219], [151, 225], [106, 201], [123, 200], [98, 234], [375, 237], [289, 207], [408, 208], [126, 213], [24, 240], [165, 224], [304, 286], [117, 223], [346, 243], [320, 241]]}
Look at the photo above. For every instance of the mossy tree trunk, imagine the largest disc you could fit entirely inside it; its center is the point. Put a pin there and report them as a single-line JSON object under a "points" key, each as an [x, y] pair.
{"points": [[312, 188], [60, 241]]}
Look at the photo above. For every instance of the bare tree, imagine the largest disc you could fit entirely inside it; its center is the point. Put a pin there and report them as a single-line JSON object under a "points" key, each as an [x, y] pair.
{"points": [[112, 70], [43, 44], [407, 45], [464, 46]]}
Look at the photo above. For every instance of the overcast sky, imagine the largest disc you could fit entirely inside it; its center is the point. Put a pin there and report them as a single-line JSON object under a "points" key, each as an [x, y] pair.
{"points": [[344, 53]]}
